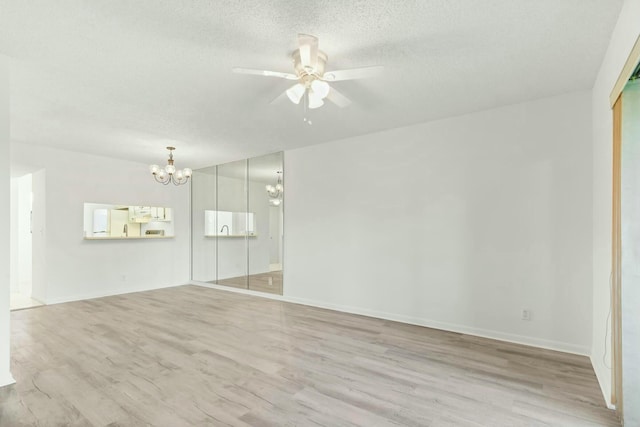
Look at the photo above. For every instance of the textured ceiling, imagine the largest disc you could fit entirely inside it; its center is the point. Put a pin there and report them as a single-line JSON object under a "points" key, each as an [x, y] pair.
{"points": [[126, 78]]}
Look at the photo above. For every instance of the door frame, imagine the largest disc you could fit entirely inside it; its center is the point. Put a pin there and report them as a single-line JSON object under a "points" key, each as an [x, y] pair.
{"points": [[615, 100]]}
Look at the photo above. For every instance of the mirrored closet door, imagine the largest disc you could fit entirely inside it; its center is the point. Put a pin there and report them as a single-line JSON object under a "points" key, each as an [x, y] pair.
{"points": [[232, 224], [266, 197], [203, 225], [237, 224]]}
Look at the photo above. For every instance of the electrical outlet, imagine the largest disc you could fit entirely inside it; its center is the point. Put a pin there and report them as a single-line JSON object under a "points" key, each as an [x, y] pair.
{"points": [[526, 314]]}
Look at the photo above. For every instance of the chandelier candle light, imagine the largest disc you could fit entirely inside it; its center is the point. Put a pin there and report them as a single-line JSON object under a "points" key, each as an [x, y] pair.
{"points": [[169, 173]]}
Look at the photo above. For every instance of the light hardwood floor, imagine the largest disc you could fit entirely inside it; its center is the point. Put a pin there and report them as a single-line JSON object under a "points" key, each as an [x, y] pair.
{"points": [[270, 282], [193, 356]]}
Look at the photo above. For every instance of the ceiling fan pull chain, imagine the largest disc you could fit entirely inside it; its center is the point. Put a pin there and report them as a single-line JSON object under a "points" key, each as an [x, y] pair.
{"points": [[306, 102]]}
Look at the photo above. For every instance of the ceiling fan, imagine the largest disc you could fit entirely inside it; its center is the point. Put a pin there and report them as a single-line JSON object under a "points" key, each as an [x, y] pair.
{"points": [[312, 79]]}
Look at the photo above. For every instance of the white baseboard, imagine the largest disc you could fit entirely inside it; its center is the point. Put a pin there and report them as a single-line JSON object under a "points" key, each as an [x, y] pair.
{"points": [[6, 379], [108, 293], [429, 323], [605, 393], [463, 329]]}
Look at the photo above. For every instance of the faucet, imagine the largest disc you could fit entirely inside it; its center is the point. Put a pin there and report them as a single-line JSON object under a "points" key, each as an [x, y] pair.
{"points": [[222, 229]]}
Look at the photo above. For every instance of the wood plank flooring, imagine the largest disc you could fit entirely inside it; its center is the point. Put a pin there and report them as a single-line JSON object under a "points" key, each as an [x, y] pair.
{"points": [[193, 356], [270, 282]]}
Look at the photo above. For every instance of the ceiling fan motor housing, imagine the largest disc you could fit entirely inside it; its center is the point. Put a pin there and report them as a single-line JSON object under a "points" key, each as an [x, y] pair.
{"points": [[308, 74]]}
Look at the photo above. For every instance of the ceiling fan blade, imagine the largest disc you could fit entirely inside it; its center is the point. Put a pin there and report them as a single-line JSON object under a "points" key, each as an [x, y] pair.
{"points": [[337, 98], [308, 50], [267, 73], [278, 99], [352, 73]]}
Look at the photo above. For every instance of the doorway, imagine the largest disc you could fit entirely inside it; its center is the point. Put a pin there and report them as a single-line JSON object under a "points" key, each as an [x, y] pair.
{"points": [[625, 290], [21, 271]]}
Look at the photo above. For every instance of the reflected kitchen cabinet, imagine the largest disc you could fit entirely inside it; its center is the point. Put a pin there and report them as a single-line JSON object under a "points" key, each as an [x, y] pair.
{"points": [[139, 214], [104, 221], [144, 214]]}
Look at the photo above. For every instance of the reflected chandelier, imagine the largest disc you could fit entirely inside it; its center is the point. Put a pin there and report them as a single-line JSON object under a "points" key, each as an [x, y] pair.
{"points": [[169, 173], [275, 191]]}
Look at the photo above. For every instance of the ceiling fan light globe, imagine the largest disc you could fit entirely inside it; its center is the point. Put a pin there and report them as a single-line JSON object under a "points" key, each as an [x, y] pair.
{"points": [[170, 169], [187, 172], [295, 93], [320, 88], [154, 169], [315, 101]]}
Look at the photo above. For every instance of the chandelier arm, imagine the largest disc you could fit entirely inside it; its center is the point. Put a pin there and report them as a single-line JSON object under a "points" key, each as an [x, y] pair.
{"points": [[160, 180], [179, 181]]}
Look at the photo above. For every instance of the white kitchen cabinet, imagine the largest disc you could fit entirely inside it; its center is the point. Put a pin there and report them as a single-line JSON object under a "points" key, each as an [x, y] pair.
{"points": [[139, 214]]}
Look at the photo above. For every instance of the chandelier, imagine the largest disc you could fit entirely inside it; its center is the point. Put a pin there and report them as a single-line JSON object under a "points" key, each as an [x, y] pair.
{"points": [[275, 191], [169, 173]]}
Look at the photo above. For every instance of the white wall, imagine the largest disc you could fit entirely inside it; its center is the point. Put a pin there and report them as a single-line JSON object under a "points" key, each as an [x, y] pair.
{"points": [[77, 268], [630, 215], [5, 200], [457, 224], [624, 36]]}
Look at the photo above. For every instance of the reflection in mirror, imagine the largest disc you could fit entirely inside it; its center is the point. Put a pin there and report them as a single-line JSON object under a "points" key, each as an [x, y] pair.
{"points": [[229, 224], [232, 248], [203, 249], [266, 194], [108, 221], [237, 224]]}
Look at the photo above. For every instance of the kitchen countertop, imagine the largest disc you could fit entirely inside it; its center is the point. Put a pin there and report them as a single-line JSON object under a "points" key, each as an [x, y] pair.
{"points": [[151, 236]]}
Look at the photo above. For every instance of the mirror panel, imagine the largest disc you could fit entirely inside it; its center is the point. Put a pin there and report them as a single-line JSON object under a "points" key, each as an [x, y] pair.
{"points": [[203, 246], [229, 224], [266, 190], [231, 216], [237, 224]]}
